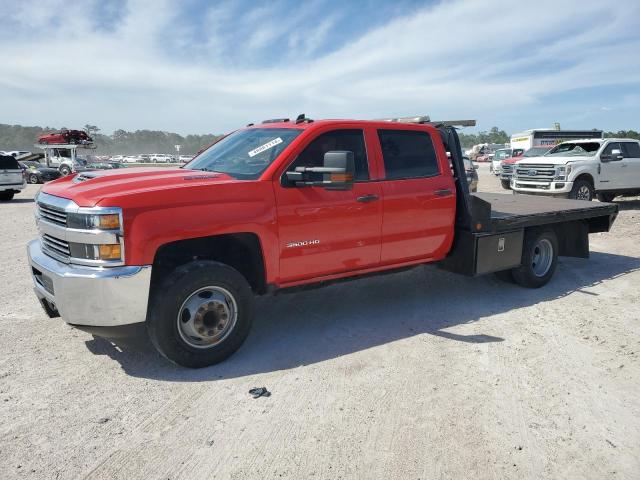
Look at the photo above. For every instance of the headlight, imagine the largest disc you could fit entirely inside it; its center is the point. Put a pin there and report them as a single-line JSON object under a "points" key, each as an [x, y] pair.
{"points": [[562, 171], [83, 221]]}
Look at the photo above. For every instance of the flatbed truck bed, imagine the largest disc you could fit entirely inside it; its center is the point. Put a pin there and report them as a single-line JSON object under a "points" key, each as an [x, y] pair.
{"points": [[510, 211], [492, 228]]}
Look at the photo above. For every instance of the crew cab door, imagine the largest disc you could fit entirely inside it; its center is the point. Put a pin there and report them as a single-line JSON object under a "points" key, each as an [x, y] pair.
{"points": [[631, 151], [419, 195], [612, 168], [324, 232]]}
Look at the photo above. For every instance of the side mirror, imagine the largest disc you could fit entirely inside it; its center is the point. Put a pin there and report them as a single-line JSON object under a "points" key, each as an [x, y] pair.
{"points": [[615, 155], [338, 169]]}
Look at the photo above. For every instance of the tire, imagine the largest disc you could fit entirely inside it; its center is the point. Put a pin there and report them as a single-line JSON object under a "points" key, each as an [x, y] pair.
{"points": [[506, 184], [33, 178], [65, 170], [539, 259], [606, 197], [176, 331], [6, 196], [582, 190]]}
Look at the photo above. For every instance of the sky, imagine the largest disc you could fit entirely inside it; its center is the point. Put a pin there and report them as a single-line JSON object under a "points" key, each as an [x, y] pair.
{"points": [[195, 66]]}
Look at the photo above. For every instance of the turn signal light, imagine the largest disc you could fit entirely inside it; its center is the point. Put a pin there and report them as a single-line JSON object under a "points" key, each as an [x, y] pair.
{"points": [[341, 177], [109, 222], [109, 252]]}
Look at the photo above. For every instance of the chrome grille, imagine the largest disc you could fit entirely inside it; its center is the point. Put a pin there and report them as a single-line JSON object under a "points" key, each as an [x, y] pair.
{"points": [[52, 214], [55, 247], [507, 168], [531, 171]]}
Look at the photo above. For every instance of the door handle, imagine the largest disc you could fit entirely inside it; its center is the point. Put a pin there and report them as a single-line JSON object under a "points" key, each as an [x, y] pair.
{"points": [[443, 193], [367, 198]]}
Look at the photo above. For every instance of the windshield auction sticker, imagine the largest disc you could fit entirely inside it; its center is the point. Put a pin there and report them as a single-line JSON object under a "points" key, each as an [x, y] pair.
{"points": [[266, 146]]}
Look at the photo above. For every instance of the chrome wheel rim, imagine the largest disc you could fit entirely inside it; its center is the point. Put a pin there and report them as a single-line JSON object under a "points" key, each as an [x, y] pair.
{"points": [[542, 258], [207, 317], [584, 193]]}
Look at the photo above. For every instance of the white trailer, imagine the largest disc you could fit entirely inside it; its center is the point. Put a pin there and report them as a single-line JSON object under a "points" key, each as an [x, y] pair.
{"points": [[543, 137]]}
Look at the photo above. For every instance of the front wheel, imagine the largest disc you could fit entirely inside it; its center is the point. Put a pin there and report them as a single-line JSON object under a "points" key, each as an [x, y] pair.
{"points": [[33, 178], [65, 170], [201, 314], [506, 184], [539, 259], [582, 190]]}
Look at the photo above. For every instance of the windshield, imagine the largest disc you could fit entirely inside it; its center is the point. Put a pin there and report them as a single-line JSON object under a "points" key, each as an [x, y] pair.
{"points": [[245, 154], [536, 152], [587, 149], [502, 154]]}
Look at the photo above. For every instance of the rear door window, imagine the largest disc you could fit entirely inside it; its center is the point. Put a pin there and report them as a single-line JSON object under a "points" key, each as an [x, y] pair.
{"points": [[8, 163], [408, 154]]}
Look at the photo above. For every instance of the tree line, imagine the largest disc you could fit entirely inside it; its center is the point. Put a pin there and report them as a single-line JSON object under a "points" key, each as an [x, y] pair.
{"points": [[123, 142], [120, 142]]}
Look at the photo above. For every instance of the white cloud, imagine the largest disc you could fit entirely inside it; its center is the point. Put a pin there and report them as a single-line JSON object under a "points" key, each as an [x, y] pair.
{"points": [[466, 58]]}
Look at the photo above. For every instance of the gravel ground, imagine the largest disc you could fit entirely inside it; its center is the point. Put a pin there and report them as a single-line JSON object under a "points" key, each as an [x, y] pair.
{"points": [[421, 374]]}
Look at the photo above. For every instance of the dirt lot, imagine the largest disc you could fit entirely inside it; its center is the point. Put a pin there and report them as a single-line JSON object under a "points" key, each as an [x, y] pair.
{"points": [[422, 374]]}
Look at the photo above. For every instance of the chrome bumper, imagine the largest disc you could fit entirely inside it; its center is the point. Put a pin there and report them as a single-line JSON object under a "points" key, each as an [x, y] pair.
{"points": [[100, 297]]}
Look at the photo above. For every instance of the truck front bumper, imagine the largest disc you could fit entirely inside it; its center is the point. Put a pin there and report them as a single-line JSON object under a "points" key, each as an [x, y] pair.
{"points": [[556, 187], [90, 296]]}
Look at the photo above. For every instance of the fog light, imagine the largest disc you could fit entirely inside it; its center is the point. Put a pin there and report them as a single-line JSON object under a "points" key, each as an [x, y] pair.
{"points": [[109, 252]]}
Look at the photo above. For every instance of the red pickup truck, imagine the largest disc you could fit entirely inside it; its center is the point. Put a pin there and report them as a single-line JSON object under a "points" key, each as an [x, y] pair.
{"points": [[280, 205]]}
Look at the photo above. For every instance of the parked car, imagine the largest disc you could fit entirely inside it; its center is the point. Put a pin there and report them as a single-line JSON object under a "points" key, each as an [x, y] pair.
{"points": [[159, 158], [35, 172], [64, 136], [17, 154], [130, 159], [185, 158], [11, 177], [582, 169], [500, 155], [472, 174], [105, 165], [506, 167]]}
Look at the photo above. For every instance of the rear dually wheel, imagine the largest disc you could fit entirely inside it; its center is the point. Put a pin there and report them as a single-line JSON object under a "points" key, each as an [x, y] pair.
{"points": [[539, 259]]}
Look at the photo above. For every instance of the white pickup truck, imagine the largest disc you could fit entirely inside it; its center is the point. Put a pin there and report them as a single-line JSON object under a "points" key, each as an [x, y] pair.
{"points": [[11, 177], [581, 169]]}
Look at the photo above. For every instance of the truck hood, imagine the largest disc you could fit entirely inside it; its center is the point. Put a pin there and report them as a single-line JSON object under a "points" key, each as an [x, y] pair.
{"points": [[554, 160], [89, 188]]}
